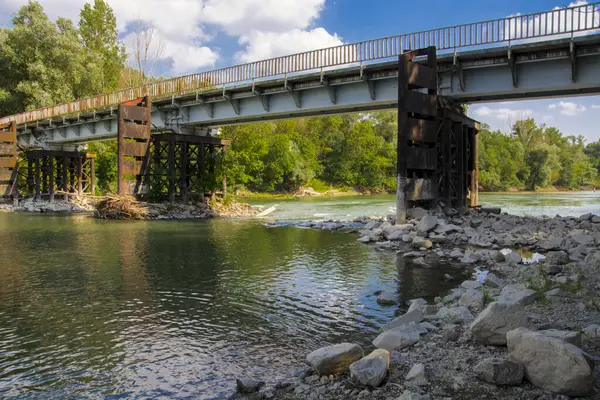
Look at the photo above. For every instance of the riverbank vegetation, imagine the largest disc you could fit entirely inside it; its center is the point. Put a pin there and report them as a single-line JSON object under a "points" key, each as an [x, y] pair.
{"points": [[46, 62]]}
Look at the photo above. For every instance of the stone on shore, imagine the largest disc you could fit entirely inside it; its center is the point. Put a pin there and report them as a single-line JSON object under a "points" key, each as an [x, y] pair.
{"points": [[491, 324], [557, 258], [416, 213], [412, 316], [524, 297], [245, 385], [471, 299], [455, 315], [493, 281], [513, 258], [416, 375], [471, 285], [592, 333], [427, 223], [499, 371], [398, 338], [372, 369], [419, 242], [416, 304], [550, 363], [334, 359], [387, 299]]}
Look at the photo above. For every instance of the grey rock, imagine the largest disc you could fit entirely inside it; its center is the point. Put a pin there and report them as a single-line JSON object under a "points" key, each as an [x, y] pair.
{"points": [[416, 304], [469, 258], [412, 316], [398, 338], [493, 281], [592, 333], [524, 297], [455, 315], [372, 225], [454, 295], [552, 269], [396, 235], [372, 369], [586, 240], [387, 299], [491, 210], [550, 363], [566, 336], [472, 299], [408, 395], [427, 223], [593, 259], [451, 332], [491, 324], [420, 261], [513, 258], [429, 310], [476, 222], [500, 371], [557, 258], [438, 238], [429, 327], [334, 359], [246, 385], [471, 285], [419, 242], [416, 375]]}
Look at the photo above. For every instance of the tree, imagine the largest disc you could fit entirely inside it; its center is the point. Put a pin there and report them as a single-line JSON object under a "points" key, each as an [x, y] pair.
{"points": [[148, 49], [42, 62], [99, 34]]}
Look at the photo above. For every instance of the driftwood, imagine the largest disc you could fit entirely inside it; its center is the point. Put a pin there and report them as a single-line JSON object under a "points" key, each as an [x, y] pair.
{"points": [[121, 207]]}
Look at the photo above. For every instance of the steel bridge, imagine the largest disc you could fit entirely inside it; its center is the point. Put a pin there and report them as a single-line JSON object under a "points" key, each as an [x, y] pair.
{"points": [[545, 54]]}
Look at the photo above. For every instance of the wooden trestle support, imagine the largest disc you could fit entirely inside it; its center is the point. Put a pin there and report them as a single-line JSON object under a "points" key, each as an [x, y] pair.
{"points": [[437, 146], [53, 173], [8, 161], [164, 166]]}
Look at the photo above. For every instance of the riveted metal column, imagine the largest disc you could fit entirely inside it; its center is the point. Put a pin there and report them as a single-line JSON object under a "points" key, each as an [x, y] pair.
{"points": [[475, 172], [401, 147], [171, 168]]}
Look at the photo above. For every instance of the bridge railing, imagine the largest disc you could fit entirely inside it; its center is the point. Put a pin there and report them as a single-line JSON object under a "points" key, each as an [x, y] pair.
{"points": [[518, 28]]}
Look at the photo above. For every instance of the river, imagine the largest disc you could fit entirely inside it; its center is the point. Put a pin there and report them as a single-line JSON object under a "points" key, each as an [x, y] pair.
{"points": [[107, 309]]}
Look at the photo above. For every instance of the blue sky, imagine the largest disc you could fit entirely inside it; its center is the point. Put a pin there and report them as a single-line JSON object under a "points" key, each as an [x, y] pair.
{"points": [[205, 34]]}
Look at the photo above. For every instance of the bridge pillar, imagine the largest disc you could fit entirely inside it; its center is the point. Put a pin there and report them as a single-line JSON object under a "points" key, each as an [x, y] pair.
{"points": [[133, 155], [183, 166], [57, 172], [8, 161], [437, 144]]}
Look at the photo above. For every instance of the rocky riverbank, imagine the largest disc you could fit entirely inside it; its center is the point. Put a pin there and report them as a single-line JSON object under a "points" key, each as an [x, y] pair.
{"points": [[525, 328], [76, 205]]}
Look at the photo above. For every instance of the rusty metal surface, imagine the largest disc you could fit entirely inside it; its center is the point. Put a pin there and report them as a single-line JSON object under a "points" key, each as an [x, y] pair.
{"points": [[134, 113], [421, 103], [135, 131], [421, 76], [563, 21], [422, 130], [8, 162], [136, 149]]}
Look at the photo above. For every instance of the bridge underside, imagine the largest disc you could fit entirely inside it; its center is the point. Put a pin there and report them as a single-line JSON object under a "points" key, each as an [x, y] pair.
{"points": [[536, 70]]}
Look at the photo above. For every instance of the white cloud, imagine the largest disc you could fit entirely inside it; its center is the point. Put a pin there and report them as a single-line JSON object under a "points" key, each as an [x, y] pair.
{"points": [[596, 106], [568, 108], [262, 45], [264, 28], [503, 113]]}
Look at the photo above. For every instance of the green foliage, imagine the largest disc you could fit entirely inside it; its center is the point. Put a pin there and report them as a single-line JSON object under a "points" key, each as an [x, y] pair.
{"points": [[99, 34], [535, 156], [106, 165]]}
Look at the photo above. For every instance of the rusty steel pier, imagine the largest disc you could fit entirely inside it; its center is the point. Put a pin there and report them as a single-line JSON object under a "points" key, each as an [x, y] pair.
{"points": [[437, 145]]}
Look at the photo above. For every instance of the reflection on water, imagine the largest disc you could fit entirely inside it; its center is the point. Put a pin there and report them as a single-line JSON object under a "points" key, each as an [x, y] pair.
{"points": [[178, 309], [348, 207]]}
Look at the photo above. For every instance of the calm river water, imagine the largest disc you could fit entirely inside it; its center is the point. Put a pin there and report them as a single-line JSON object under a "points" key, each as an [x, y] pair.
{"points": [[109, 309]]}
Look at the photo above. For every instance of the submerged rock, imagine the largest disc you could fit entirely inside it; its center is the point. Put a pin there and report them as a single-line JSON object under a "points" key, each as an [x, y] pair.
{"points": [[334, 359], [550, 363], [386, 299]]}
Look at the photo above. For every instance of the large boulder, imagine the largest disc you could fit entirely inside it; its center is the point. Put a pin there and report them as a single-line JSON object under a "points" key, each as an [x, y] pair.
{"points": [[427, 223], [334, 359], [499, 371], [523, 298], [491, 324], [372, 369], [416, 304], [412, 316], [566, 336], [398, 338], [551, 363]]}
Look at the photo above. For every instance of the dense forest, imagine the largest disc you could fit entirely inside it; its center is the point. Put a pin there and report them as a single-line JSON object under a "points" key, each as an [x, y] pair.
{"points": [[45, 62]]}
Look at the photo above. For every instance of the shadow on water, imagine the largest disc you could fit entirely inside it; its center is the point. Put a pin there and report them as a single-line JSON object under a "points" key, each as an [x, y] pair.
{"points": [[178, 309]]}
